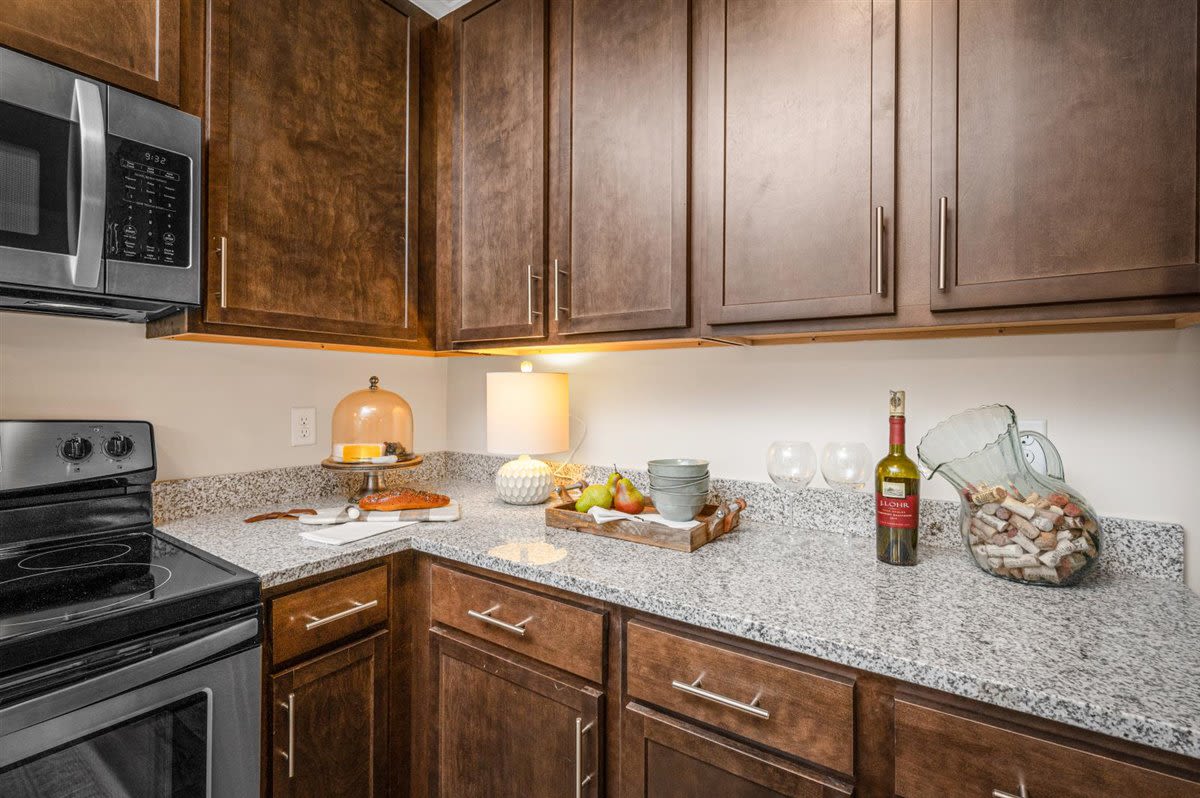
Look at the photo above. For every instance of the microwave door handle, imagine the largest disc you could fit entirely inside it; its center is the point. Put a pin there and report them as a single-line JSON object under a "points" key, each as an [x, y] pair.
{"points": [[88, 111], [76, 696]]}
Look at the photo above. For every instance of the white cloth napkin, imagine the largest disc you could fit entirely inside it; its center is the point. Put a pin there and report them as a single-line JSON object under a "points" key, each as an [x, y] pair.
{"points": [[341, 534], [602, 515]]}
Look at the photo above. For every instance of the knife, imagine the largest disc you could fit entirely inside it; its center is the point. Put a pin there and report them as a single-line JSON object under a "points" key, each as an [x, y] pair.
{"points": [[349, 513]]}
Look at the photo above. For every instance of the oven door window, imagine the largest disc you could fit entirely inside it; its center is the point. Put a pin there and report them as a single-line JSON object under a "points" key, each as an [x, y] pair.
{"points": [[161, 753], [39, 181]]}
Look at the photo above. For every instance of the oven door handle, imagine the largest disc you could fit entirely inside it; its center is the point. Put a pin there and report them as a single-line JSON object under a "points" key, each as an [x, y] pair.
{"points": [[72, 697], [88, 111]]}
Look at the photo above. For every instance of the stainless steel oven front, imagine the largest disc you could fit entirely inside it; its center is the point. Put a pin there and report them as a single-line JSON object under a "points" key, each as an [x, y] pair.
{"points": [[175, 716], [99, 193]]}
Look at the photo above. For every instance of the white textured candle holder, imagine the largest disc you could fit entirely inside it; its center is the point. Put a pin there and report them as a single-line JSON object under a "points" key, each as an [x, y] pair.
{"points": [[524, 481]]}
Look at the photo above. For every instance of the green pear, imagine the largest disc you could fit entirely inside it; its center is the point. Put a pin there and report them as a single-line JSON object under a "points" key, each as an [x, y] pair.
{"points": [[628, 499], [613, 479], [594, 496]]}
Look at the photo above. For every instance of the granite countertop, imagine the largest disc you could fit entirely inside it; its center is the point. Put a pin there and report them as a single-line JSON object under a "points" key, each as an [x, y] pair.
{"points": [[1118, 655]]}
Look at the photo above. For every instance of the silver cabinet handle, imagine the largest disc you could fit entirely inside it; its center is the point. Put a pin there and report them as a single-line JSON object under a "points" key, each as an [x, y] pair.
{"points": [[289, 755], [532, 277], [581, 781], [1005, 794], [558, 305], [942, 245], [879, 250], [695, 689], [486, 616], [337, 616], [221, 254], [89, 112]]}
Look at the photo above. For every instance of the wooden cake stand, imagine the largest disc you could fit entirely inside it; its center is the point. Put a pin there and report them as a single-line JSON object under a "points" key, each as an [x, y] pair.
{"points": [[372, 472]]}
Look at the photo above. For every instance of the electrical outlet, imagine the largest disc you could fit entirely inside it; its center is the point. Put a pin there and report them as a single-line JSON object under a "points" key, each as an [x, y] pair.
{"points": [[1032, 425], [304, 426]]}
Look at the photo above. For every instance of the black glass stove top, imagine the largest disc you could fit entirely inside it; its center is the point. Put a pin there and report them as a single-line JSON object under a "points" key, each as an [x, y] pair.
{"points": [[65, 597]]}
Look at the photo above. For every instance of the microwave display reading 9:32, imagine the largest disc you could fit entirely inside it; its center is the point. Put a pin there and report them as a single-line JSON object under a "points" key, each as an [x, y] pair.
{"points": [[147, 214]]}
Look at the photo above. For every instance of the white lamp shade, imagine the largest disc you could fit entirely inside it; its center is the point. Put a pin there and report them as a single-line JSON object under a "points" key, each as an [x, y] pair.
{"points": [[527, 413]]}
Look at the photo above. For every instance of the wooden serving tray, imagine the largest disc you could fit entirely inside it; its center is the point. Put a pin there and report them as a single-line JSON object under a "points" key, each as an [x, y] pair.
{"points": [[714, 520]]}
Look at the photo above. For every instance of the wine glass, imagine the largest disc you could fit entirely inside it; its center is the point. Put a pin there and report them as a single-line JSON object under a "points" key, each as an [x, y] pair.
{"points": [[845, 464], [791, 464]]}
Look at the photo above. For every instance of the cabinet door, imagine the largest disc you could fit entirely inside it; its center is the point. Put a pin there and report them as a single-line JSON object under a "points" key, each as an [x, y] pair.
{"points": [[1064, 151], [619, 219], [662, 757], [797, 158], [133, 44], [493, 198], [308, 202], [507, 730], [329, 724]]}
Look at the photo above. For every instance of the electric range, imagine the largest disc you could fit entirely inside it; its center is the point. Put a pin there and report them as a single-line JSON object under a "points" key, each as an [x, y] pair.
{"points": [[129, 661]]}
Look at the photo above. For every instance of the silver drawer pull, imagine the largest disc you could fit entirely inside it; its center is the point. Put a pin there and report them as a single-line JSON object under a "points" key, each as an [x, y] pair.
{"points": [[581, 781], [289, 755], [486, 616], [1005, 794], [942, 206], [337, 616], [695, 689]]}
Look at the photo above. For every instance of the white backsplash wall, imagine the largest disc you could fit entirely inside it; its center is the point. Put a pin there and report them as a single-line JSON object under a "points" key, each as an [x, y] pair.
{"points": [[216, 408], [1123, 408]]}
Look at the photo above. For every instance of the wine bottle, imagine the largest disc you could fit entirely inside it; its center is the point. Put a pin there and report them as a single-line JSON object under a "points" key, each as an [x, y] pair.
{"points": [[897, 495]]}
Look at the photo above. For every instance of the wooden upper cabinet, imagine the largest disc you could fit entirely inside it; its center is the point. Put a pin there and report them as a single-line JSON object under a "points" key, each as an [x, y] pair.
{"points": [[311, 114], [1065, 147], [329, 724], [134, 44], [796, 158], [492, 199], [619, 218]]}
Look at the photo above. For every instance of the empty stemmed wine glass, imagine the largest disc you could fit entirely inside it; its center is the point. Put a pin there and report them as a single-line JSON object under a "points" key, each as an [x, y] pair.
{"points": [[845, 465], [791, 464]]}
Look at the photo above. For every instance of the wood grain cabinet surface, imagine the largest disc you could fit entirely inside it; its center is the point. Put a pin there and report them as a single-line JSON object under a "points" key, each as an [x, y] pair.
{"points": [[315, 617], [1064, 151], [329, 724], [546, 629], [492, 236], [134, 44], [662, 757], [508, 730], [310, 142], [942, 754], [803, 714], [796, 158], [619, 166]]}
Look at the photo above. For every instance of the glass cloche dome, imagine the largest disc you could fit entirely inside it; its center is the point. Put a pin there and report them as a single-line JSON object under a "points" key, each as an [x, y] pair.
{"points": [[372, 425]]}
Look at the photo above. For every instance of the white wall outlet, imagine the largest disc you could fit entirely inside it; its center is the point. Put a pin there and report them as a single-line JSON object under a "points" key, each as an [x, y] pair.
{"points": [[1032, 425], [304, 426]]}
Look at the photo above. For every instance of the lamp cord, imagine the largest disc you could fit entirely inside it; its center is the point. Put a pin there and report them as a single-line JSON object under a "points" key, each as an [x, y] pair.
{"points": [[571, 455]]}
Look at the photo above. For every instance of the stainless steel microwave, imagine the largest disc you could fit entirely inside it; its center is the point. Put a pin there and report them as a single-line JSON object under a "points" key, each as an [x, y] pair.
{"points": [[99, 197]]}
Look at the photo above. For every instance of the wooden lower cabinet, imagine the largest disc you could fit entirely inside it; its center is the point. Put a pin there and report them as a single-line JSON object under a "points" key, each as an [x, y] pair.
{"points": [[329, 724], [667, 758], [507, 729]]}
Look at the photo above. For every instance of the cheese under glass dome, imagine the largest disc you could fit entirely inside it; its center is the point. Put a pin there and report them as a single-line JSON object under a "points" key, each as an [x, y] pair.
{"points": [[372, 425]]}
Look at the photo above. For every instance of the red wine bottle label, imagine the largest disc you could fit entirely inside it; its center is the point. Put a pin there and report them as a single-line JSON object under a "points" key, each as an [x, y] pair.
{"points": [[893, 508]]}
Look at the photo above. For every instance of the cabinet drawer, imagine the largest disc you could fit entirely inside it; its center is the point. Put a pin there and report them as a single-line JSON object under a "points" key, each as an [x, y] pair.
{"points": [[800, 713], [557, 633], [315, 617], [942, 754]]}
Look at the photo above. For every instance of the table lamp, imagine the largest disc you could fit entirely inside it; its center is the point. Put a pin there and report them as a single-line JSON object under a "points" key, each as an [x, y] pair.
{"points": [[527, 412]]}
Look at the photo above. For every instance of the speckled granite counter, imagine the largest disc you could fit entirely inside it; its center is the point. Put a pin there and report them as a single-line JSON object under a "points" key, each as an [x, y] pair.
{"points": [[1118, 655]]}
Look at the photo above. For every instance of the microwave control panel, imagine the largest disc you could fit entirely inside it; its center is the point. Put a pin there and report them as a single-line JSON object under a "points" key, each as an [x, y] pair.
{"points": [[148, 213]]}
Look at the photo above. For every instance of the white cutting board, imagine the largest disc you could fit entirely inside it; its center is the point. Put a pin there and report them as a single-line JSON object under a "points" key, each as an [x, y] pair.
{"points": [[341, 534]]}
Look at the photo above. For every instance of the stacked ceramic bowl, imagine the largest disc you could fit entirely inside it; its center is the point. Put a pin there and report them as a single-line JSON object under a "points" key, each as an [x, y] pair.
{"points": [[678, 487]]}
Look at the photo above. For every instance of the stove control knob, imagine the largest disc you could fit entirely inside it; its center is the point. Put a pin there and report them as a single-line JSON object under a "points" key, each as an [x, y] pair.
{"points": [[76, 449], [118, 446]]}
